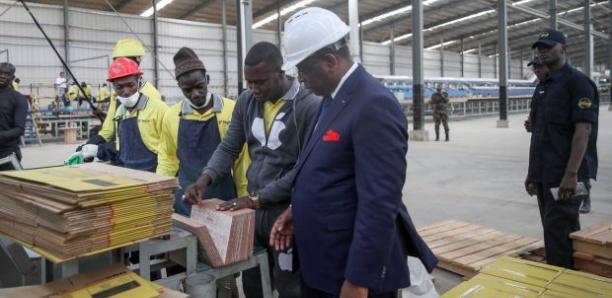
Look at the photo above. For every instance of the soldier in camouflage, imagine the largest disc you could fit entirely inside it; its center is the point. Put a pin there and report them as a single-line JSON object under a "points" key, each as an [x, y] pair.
{"points": [[439, 103]]}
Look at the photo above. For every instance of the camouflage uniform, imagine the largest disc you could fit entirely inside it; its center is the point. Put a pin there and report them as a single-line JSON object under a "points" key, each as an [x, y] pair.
{"points": [[439, 102]]}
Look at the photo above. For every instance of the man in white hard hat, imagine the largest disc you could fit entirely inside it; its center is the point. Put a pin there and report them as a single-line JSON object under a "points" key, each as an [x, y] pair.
{"points": [[352, 231]]}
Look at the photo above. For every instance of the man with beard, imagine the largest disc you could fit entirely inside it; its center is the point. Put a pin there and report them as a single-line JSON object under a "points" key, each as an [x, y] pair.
{"points": [[352, 230]]}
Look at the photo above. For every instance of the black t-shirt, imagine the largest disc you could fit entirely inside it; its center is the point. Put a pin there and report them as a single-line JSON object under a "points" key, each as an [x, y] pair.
{"points": [[568, 97], [13, 112]]}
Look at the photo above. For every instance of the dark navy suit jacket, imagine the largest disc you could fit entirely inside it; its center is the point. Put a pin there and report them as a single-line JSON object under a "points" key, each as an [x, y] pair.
{"points": [[349, 219]]}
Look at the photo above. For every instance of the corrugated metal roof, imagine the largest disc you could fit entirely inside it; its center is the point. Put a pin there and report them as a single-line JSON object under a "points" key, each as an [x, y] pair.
{"points": [[448, 21]]}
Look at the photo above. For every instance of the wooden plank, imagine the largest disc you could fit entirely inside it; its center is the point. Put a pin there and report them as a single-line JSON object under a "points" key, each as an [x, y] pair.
{"points": [[435, 225], [530, 245], [452, 233], [591, 234], [594, 265], [495, 250], [592, 248], [441, 250], [461, 239], [456, 268], [447, 227], [480, 246]]}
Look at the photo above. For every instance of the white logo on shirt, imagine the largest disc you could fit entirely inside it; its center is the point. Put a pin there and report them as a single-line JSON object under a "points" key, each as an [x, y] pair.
{"points": [[259, 131]]}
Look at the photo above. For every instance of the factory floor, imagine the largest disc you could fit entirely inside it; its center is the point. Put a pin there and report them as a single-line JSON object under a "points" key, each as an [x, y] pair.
{"points": [[477, 177]]}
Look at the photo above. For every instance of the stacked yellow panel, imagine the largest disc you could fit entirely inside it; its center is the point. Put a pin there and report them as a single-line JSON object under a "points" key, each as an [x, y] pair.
{"points": [[64, 212], [513, 277]]}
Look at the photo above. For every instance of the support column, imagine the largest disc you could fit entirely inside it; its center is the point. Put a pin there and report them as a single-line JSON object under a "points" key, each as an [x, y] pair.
{"points": [[503, 64], [522, 64], [244, 25], [279, 25], [354, 33], [588, 39], [552, 11], [360, 43], [392, 49], [418, 133], [224, 30], [66, 40], [479, 60], [462, 66], [155, 48], [441, 57], [495, 61]]}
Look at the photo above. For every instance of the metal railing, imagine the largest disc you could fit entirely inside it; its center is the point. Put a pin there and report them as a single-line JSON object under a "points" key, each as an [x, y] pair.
{"points": [[481, 107], [460, 109]]}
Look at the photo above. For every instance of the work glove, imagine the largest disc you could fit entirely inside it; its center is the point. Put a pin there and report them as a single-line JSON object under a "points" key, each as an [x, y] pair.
{"points": [[89, 151], [74, 159]]}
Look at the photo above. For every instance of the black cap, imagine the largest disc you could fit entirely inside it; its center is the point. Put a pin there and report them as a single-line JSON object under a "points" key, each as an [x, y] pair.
{"points": [[550, 38], [536, 61]]}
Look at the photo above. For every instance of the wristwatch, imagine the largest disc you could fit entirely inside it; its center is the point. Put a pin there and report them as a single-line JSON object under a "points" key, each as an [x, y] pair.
{"points": [[255, 199]]}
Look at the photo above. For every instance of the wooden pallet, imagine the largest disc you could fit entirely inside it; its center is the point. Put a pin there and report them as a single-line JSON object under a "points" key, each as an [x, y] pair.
{"points": [[596, 240], [593, 247], [465, 248]]}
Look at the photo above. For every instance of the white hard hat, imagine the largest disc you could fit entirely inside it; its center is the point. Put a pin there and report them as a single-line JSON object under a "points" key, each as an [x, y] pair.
{"points": [[308, 31]]}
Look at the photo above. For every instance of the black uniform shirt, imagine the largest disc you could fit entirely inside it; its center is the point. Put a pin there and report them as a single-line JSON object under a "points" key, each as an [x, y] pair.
{"points": [[13, 111], [569, 97]]}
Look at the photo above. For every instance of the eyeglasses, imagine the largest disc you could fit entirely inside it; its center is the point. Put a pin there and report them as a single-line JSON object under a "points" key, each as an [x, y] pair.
{"points": [[305, 67]]}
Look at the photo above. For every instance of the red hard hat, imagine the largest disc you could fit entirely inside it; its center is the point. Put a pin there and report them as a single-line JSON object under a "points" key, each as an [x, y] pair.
{"points": [[123, 67]]}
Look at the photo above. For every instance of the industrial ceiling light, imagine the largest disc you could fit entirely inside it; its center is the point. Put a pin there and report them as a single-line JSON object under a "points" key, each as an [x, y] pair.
{"points": [[282, 13], [161, 4]]}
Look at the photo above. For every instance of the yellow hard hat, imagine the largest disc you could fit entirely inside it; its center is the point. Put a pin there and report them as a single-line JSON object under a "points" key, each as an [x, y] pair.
{"points": [[128, 48]]}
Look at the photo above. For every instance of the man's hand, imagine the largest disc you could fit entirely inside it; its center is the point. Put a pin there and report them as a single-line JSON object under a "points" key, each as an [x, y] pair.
{"points": [[528, 124], [282, 230], [194, 192], [236, 204], [350, 290], [530, 187], [89, 150], [567, 188]]}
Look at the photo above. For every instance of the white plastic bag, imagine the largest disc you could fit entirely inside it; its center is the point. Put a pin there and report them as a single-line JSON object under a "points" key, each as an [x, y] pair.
{"points": [[421, 285]]}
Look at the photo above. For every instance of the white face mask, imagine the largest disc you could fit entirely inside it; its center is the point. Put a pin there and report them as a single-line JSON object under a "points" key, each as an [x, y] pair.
{"points": [[131, 101], [206, 102]]}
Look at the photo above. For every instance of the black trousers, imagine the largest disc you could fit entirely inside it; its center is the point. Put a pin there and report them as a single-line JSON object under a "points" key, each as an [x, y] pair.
{"points": [[8, 166], [286, 282], [309, 292], [559, 219]]}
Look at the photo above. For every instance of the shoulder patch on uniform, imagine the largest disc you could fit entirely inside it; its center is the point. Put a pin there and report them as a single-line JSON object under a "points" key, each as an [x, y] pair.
{"points": [[584, 103]]}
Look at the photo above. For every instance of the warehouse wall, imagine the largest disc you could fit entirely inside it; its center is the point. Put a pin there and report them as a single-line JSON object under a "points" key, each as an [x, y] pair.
{"points": [[93, 35]]}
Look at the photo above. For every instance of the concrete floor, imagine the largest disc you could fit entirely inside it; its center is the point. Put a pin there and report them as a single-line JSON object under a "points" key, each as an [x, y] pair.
{"points": [[476, 177]]}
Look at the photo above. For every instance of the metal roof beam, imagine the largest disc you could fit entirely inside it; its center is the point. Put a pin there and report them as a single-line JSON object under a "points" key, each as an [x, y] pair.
{"points": [[121, 4], [427, 12], [270, 8], [545, 16], [197, 8]]}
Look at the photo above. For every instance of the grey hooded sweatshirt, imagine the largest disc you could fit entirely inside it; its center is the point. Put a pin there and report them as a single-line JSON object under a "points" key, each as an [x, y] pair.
{"points": [[274, 154]]}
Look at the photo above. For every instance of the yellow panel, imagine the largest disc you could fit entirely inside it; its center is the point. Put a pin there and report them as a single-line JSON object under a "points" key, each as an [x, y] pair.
{"points": [[523, 271], [580, 284]]}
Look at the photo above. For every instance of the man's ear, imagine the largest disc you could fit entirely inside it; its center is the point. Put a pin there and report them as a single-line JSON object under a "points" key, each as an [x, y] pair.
{"points": [[207, 79], [330, 61]]}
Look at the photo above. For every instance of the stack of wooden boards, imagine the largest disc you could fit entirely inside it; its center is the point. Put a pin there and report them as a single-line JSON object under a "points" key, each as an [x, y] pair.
{"points": [[64, 212], [113, 281], [510, 277], [224, 237], [593, 249]]}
